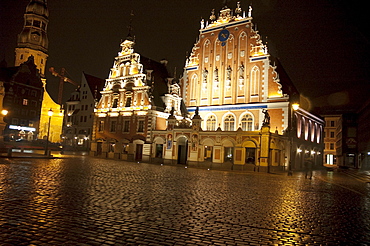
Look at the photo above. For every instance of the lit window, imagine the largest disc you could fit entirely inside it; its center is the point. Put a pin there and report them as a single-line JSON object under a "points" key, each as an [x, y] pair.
{"points": [[211, 123], [255, 80], [247, 123], [229, 123], [25, 101], [101, 126]]}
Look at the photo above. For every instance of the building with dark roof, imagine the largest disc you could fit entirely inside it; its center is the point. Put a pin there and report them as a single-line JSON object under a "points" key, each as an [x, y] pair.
{"points": [[79, 113], [137, 98], [23, 95]]}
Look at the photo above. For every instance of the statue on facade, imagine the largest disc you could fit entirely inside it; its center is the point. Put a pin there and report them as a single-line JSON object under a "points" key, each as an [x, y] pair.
{"points": [[266, 120], [228, 73], [205, 75], [241, 71]]}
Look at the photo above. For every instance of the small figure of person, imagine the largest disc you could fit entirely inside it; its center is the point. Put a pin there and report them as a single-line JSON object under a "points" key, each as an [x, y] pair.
{"points": [[308, 164]]}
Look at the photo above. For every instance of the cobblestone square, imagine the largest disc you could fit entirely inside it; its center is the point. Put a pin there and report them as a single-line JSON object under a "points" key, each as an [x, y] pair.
{"points": [[90, 201]]}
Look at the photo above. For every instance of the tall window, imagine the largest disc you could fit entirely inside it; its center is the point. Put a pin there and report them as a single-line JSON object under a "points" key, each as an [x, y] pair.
{"points": [[229, 123], [194, 86], [126, 126], [128, 102], [115, 103], [113, 125], [255, 80], [211, 123], [101, 126], [140, 126], [247, 123]]}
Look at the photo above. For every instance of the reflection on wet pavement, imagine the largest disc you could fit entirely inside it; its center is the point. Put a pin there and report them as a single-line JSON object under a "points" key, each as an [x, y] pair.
{"points": [[97, 201]]}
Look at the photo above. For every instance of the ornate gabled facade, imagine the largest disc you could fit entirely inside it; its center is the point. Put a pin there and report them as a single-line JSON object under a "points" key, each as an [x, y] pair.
{"points": [[241, 110], [230, 77], [135, 101]]}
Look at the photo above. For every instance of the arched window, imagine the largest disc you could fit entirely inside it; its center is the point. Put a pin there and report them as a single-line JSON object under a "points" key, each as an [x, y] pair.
{"points": [[211, 123], [229, 123], [194, 85], [247, 123], [255, 80]]}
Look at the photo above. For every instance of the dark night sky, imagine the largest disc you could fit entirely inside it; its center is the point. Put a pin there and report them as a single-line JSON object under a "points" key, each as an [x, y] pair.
{"points": [[322, 44]]}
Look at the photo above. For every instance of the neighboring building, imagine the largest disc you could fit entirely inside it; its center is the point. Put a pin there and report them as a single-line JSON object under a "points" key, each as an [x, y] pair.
{"points": [[135, 101], [240, 103], [347, 141], [330, 138], [364, 136], [23, 90], [79, 113], [33, 41], [56, 121]]}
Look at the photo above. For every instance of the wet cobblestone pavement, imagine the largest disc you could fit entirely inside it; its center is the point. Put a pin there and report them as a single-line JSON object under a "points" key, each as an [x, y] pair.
{"points": [[88, 201]]}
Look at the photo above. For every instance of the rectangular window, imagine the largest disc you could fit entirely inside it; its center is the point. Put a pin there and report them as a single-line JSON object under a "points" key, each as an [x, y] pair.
{"points": [[331, 146], [128, 102], [101, 126], [25, 101], [331, 134], [126, 126], [140, 127], [113, 125]]}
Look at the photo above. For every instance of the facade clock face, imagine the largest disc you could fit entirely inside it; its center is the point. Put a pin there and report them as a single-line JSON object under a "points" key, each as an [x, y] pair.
{"points": [[223, 35]]}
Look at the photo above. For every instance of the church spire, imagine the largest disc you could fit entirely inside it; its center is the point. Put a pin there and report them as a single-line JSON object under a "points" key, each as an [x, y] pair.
{"points": [[33, 40]]}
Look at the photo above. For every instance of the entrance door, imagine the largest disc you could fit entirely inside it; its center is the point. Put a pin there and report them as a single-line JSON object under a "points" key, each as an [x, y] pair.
{"points": [[99, 148], [250, 155], [228, 154], [208, 151], [182, 151], [139, 152]]}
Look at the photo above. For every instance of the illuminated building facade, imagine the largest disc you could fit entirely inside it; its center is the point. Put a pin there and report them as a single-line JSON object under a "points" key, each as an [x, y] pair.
{"points": [[240, 105], [33, 41], [23, 93], [330, 138], [79, 113], [137, 98]]}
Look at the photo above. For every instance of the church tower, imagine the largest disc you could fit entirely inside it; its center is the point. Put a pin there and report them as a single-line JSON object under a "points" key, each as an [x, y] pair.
{"points": [[33, 40]]}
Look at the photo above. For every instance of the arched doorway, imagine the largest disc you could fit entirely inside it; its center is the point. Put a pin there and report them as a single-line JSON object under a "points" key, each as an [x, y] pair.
{"points": [[208, 150], [228, 150], [182, 150], [250, 152]]}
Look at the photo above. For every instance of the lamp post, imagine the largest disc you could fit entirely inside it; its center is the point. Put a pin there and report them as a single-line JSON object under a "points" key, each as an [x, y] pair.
{"points": [[294, 107], [50, 113], [4, 112]]}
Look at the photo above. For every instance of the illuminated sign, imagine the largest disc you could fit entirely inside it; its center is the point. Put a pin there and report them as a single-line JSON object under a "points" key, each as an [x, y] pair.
{"points": [[22, 128]]}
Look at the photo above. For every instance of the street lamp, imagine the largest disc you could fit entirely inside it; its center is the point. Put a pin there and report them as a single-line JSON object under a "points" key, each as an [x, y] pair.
{"points": [[4, 112], [50, 113], [294, 107]]}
